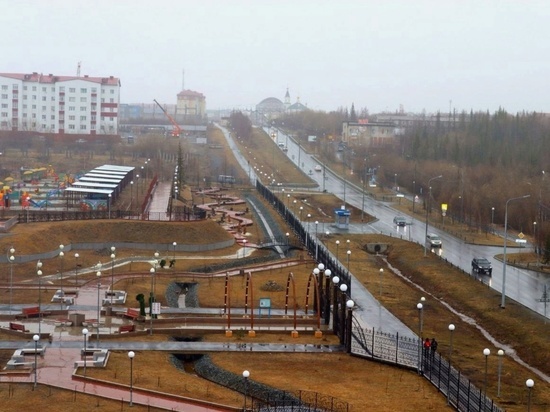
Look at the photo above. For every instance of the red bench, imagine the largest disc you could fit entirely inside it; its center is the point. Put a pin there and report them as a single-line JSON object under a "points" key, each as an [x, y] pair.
{"points": [[127, 328], [131, 313], [18, 326], [31, 312]]}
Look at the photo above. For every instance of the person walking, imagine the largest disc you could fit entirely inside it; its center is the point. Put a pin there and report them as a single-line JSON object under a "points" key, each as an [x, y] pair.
{"points": [[433, 346]]}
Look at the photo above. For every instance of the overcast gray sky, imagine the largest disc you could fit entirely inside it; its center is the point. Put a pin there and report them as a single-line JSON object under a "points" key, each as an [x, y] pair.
{"points": [[479, 54]]}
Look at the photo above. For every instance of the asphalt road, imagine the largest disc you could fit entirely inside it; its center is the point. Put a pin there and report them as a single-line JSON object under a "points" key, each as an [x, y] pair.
{"points": [[524, 286]]}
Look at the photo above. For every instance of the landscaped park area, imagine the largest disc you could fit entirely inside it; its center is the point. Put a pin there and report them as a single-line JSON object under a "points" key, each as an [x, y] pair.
{"points": [[197, 347]]}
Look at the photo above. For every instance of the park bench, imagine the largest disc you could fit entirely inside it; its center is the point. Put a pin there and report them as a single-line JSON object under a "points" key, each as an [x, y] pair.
{"points": [[31, 312], [18, 326], [131, 313], [126, 328]]}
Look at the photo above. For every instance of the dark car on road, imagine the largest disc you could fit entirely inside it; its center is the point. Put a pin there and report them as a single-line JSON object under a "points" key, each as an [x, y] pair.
{"points": [[400, 221], [482, 265]]}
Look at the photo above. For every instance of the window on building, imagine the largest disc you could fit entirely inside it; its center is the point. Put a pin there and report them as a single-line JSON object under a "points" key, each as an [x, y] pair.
{"points": [[33, 88], [83, 90], [34, 116], [102, 100], [53, 98], [24, 97], [4, 96], [94, 118], [4, 105], [72, 99], [102, 118], [43, 98], [92, 127], [82, 108], [44, 89], [112, 91], [111, 100], [53, 89], [112, 119], [52, 108], [34, 107], [43, 108], [94, 89], [4, 87], [4, 114], [62, 88], [72, 127], [83, 100], [43, 117], [72, 108], [34, 96], [15, 86], [24, 114], [72, 117], [82, 118], [72, 90], [25, 87], [24, 107], [82, 127], [52, 117]]}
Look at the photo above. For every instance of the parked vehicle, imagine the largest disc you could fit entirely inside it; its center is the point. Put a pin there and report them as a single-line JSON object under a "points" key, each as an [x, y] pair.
{"points": [[400, 221], [318, 168], [433, 240], [482, 265]]}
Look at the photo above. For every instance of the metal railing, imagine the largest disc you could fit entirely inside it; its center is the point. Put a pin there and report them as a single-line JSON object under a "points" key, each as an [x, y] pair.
{"points": [[407, 352]]}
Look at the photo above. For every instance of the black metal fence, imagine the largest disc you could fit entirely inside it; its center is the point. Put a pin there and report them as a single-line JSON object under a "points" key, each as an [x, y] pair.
{"points": [[409, 353], [300, 401], [32, 216]]}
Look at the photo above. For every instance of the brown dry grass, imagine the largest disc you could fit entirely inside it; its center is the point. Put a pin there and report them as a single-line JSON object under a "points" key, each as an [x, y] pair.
{"points": [[515, 326], [263, 153]]}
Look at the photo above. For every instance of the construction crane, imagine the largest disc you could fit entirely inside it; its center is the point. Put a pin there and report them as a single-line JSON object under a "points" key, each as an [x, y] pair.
{"points": [[176, 131]]}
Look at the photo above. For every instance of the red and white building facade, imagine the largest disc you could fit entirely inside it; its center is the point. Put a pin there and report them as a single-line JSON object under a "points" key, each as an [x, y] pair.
{"points": [[59, 104]]}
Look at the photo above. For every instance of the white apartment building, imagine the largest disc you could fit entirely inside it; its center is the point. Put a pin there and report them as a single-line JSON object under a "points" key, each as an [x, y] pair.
{"points": [[59, 104]]}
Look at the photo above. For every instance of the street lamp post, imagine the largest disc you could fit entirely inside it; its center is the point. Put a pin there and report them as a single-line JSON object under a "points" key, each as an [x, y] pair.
{"points": [[113, 256], [246, 375], [349, 254], [39, 275], [529, 383], [11, 259], [486, 353], [451, 330], [85, 334], [35, 338], [492, 217], [76, 256], [420, 308], [328, 273], [335, 281], [131, 195], [109, 204], [503, 297], [152, 298], [61, 256], [316, 242], [337, 246], [500, 354], [131, 355], [174, 244], [428, 210], [381, 271], [98, 276]]}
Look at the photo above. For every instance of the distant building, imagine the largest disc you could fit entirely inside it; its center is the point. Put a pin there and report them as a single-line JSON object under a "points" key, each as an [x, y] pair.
{"points": [[59, 104], [190, 104], [371, 134], [272, 107]]}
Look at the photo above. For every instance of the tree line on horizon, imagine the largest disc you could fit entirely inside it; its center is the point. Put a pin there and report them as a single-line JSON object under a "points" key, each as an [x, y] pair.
{"points": [[485, 159]]}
